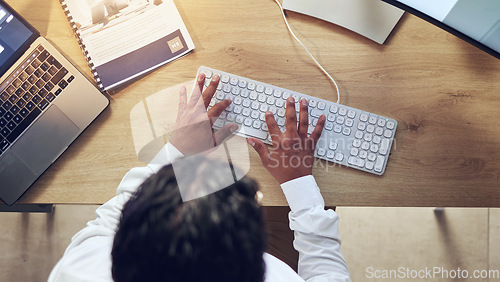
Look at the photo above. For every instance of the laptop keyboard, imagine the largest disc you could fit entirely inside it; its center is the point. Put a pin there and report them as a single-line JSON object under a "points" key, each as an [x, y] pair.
{"points": [[28, 91]]}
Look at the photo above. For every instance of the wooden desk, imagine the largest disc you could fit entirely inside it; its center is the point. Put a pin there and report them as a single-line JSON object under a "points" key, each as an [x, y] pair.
{"points": [[444, 93]]}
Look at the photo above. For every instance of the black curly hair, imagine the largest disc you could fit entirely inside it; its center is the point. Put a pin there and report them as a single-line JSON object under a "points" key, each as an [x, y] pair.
{"points": [[219, 237]]}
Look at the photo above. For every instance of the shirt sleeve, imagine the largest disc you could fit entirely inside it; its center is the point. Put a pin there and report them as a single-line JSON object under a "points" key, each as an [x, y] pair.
{"points": [[94, 242], [316, 232]]}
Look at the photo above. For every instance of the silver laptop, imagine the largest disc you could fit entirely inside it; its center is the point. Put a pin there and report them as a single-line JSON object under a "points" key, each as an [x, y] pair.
{"points": [[45, 103]]}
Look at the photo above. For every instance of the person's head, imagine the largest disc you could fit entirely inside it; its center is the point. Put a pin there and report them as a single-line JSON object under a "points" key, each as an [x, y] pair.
{"points": [[219, 237]]}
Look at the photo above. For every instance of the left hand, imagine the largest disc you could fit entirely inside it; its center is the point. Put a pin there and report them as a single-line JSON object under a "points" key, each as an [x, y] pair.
{"points": [[193, 130], [293, 151]]}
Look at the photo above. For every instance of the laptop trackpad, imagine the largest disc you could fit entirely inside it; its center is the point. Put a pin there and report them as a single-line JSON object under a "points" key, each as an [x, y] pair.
{"points": [[45, 140]]}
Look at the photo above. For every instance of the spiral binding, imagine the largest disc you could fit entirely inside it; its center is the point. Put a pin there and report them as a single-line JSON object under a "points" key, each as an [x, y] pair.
{"points": [[82, 45]]}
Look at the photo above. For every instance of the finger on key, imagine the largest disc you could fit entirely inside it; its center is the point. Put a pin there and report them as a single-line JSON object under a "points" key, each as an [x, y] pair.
{"points": [[291, 115], [224, 132], [318, 129], [272, 127], [217, 109], [194, 100], [303, 118], [210, 91], [201, 81]]}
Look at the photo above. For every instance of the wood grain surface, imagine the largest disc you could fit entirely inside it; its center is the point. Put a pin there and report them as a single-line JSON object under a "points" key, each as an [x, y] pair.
{"points": [[444, 93]]}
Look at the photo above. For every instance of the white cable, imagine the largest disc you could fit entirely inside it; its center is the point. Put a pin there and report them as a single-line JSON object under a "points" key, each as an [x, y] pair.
{"points": [[319, 65]]}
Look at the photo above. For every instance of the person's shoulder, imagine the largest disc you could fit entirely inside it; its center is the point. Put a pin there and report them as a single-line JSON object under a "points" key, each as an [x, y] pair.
{"points": [[278, 271], [85, 262]]}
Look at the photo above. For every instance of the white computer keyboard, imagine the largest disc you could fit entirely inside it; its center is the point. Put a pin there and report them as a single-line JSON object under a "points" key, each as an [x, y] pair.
{"points": [[351, 137]]}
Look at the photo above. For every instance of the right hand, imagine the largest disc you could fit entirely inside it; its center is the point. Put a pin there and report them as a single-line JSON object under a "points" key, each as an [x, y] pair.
{"points": [[293, 151]]}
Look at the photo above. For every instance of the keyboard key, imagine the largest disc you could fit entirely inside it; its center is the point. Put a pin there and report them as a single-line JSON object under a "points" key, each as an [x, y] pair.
{"points": [[251, 86], [233, 81], [43, 104], [46, 77], [44, 66], [35, 64], [379, 163], [50, 97], [51, 60], [11, 125], [390, 125], [312, 103], [4, 96], [26, 85], [5, 132], [52, 71], [49, 86], [43, 55], [33, 90], [16, 83], [351, 114], [38, 73], [334, 109], [32, 79], [36, 99], [4, 145], [372, 157], [20, 103], [346, 131], [10, 89], [387, 133], [254, 132], [235, 90], [337, 128], [315, 112], [329, 126], [330, 154], [369, 165], [24, 112], [342, 111], [23, 76], [339, 157], [372, 120], [384, 146], [13, 98], [30, 106]]}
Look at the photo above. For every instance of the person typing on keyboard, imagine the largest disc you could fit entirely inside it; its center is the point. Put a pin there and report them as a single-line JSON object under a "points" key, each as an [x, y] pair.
{"points": [[148, 233]]}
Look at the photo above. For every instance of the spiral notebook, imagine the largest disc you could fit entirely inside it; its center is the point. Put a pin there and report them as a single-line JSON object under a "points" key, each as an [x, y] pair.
{"points": [[124, 39]]}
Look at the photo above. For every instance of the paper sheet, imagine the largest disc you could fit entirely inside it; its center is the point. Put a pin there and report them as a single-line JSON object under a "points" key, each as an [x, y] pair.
{"points": [[371, 18]]}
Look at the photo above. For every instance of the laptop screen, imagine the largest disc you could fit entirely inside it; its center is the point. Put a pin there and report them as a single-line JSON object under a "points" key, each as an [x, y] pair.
{"points": [[15, 36], [477, 21]]}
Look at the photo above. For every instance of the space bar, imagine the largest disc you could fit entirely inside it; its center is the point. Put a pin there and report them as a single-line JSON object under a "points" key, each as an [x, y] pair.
{"points": [[252, 132]]}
